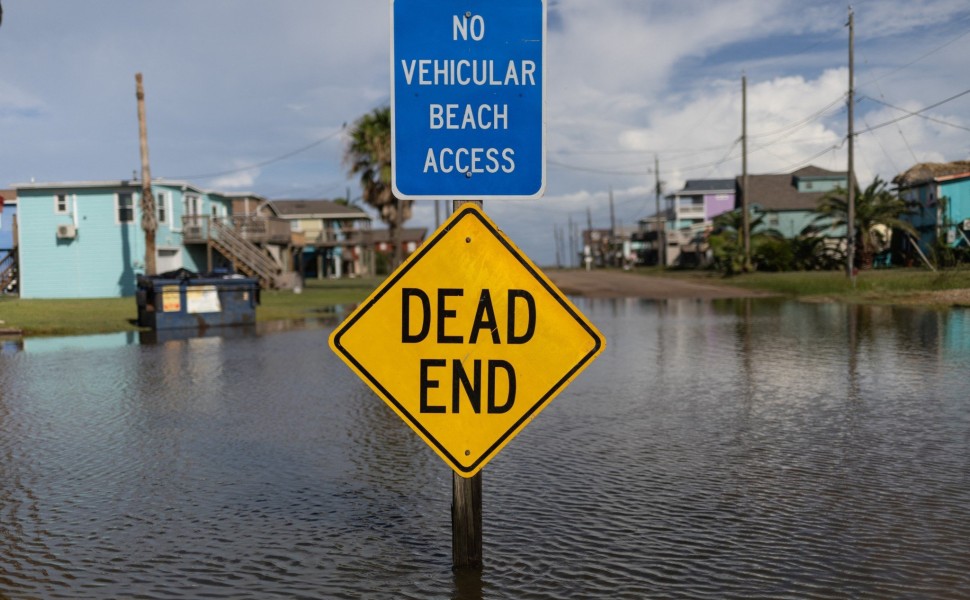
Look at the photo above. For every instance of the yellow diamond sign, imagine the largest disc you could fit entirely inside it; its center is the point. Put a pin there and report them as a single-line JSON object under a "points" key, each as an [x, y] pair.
{"points": [[467, 341]]}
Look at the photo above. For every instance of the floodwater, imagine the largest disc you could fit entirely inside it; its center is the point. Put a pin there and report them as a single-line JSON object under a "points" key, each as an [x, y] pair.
{"points": [[727, 449]]}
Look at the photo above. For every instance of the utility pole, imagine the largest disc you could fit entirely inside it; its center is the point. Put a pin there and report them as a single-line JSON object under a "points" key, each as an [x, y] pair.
{"points": [[148, 217], [661, 241], [556, 241], [745, 214], [612, 229], [571, 243], [850, 184]]}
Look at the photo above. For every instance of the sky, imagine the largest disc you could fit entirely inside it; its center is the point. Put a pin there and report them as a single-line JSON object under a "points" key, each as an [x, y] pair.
{"points": [[256, 96]]}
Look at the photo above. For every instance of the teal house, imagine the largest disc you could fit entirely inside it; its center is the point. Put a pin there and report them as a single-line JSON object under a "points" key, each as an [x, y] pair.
{"points": [[85, 240], [788, 202], [940, 195], [8, 241]]}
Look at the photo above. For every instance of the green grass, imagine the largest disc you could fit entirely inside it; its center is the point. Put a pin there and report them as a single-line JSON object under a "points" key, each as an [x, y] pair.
{"points": [[68, 317], [109, 315], [317, 295], [870, 286]]}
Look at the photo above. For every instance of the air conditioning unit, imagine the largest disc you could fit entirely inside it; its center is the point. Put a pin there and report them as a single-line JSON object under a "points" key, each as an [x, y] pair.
{"points": [[966, 225], [193, 231], [66, 232]]}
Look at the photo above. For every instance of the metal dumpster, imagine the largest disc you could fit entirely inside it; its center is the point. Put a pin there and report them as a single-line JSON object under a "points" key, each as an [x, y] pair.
{"points": [[181, 299]]}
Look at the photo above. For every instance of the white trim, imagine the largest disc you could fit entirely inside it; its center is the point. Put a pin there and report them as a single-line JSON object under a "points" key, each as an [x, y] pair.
{"points": [[118, 195], [163, 199], [543, 110], [67, 204]]}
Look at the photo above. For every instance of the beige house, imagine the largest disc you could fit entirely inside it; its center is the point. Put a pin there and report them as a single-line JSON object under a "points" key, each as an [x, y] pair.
{"points": [[331, 238]]}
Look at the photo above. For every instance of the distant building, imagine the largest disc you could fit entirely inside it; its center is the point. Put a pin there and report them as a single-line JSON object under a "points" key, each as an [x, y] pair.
{"points": [[940, 193], [688, 216], [788, 202], [410, 239], [8, 241], [691, 213], [84, 239], [649, 238], [699, 202], [330, 236]]}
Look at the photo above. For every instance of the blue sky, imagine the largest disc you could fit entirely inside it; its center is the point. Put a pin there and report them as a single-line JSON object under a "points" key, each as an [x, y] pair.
{"points": [[253, 96]]}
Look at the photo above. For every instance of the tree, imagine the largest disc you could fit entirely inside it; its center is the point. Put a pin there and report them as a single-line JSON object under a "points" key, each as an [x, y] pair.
{"points": [[812, 251], [727, 244], [877, 212], [369, 157]]}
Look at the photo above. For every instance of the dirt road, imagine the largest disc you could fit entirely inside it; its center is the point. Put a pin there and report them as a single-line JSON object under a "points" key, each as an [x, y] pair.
{"points": [[619, 284]]}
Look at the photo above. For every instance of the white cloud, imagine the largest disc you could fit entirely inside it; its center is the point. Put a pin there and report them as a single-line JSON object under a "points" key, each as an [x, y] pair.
{"points": [[233, 83], [242, 180]]}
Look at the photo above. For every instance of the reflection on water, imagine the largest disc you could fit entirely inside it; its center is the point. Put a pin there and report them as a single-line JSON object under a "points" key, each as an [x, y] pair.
{"points": [[728, 449]]}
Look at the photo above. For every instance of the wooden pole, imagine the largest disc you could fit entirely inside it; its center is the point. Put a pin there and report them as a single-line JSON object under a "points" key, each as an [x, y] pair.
{"points": [[466, 521], [745, 215], [661, 241], [148, 216], [466, 504], [850, 184]]}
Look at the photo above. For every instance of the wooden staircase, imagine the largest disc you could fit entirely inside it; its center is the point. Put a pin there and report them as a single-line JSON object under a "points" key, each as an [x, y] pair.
{"points": [[8, 269], [246, 257]]}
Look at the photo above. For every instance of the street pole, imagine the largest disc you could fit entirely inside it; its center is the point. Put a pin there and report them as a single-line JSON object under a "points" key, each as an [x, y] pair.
{"points": [[609, 246], [661, 241], [148, 216], [850, 184], [466, 501], [745, 214]]}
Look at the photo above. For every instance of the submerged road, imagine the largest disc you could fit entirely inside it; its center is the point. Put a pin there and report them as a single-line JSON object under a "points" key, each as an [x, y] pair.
{"points": [[621, 284]]}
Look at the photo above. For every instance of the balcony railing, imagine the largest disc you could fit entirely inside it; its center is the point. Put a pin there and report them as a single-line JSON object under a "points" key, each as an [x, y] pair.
{"points": [[690, 210], [259, 230], [330, 237]]}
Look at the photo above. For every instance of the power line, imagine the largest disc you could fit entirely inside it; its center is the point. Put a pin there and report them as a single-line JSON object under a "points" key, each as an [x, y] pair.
{"points": [[916, 60], [595, 170], [914, 114], [265, 162]]}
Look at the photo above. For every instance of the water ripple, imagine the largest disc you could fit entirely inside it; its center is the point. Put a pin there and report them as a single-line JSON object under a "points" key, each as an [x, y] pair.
{"points": [[716, 450]]}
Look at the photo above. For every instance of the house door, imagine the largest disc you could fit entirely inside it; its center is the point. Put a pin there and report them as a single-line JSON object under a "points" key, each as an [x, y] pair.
{"points": [[192, 209]]}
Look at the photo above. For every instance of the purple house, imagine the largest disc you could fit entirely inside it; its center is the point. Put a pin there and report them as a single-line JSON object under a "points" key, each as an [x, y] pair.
{"points": [[689, 215], [699, 202]]}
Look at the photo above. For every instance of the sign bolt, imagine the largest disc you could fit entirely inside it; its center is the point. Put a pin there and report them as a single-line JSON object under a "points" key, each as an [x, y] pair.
{"points": [[468, 14], [468, 174]]}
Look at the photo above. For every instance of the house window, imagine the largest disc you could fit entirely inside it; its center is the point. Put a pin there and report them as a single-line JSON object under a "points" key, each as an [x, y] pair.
{"points": [[161, 206], [126, 207], [61, 204]]}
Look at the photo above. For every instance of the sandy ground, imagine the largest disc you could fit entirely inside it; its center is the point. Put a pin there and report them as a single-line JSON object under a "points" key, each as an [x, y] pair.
{"points": [[618, 284]]}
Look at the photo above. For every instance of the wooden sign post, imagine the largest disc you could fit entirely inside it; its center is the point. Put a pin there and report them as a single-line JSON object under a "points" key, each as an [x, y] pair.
{"points": [[467, 341], [466, 500]]}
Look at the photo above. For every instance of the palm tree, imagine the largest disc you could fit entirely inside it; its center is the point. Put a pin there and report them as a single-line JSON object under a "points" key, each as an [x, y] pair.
{"points": [[369, 156], [877, 212]]}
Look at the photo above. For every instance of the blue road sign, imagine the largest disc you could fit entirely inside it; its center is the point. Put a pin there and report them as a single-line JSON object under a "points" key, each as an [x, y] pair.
{"points": [[467, 96]]}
